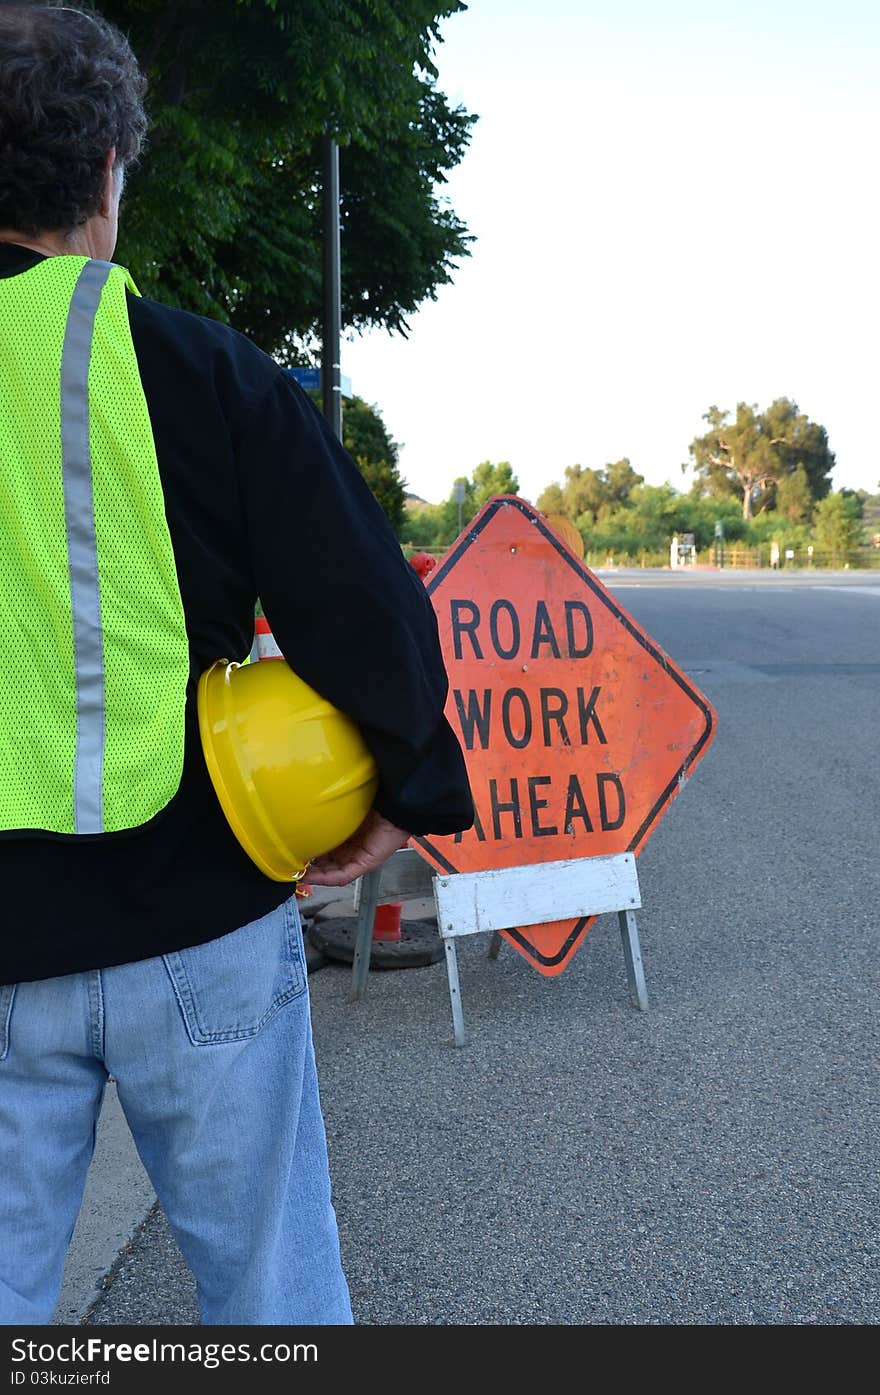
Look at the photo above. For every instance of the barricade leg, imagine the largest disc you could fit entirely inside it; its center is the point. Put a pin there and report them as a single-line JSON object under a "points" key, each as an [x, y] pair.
{"points": [[369, 896], [632, 953], [454, 991], [495, 944]]}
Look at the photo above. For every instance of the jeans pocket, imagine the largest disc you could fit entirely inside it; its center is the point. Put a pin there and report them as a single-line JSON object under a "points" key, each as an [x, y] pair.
{"points": [[230, 987], [7, 993]]}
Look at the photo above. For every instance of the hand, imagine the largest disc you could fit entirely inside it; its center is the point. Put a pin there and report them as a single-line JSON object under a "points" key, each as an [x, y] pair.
{"points": [[366, 849]]}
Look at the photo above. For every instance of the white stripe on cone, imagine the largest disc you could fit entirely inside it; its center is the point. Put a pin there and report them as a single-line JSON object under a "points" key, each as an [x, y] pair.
{"points": [[267, 648], [264, 646]]}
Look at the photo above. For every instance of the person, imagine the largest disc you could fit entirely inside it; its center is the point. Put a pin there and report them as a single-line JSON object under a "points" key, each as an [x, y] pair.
{"points": [[158, 475]]}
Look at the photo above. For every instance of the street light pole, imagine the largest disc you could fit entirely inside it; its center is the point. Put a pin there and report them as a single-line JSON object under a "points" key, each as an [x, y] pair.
{"points": [[331, 387]]}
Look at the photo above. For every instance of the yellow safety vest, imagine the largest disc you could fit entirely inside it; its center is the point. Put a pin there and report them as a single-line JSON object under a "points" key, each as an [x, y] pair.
{"points": [[94, 657]]}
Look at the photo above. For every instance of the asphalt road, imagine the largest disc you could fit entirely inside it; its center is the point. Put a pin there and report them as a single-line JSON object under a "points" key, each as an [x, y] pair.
{"points": [[712, 1161]]}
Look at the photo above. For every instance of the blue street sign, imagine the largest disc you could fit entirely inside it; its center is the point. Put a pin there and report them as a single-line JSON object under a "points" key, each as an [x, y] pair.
{"points": [[310, 380]]}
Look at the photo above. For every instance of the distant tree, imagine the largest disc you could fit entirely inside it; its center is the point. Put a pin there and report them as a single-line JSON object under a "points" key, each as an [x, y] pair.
{"points": [[733, 457], [750, 456], [550, 499], [488, 480], [648, 518], [800, 444], [871, 516], [583, 493], [422, 526], [837, 523], [587, 494], [794, 500], [365, 436], [620, 482], [452, 510]]}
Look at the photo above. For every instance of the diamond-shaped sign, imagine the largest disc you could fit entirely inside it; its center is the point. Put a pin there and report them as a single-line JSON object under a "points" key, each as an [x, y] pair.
{"points": [[577, 729]]}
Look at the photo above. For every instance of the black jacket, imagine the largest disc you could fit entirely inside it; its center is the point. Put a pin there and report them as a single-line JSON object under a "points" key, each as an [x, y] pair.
{"points": [[262, 501]]}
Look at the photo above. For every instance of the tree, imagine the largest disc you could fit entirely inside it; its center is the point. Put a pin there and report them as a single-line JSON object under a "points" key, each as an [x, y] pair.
{"points": [[224, 216], [488, 480], [800, 444], [646, 521], [550, 499], [734, 456], [436, 525], [837, 523], [365, 436], [794, 500], [749, 456], [423, 525], [620, 482], [586, 493], [583, 493]]}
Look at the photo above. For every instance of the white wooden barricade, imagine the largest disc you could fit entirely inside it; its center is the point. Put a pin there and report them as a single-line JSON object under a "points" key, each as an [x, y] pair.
{"points": [[543, 891], [470, 902]]}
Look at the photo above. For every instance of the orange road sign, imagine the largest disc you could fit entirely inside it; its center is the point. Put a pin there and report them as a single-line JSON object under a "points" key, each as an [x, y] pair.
{"points": [[578, 731]]}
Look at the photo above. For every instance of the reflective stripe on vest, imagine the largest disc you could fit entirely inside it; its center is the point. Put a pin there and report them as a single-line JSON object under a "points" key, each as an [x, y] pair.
{"points": [[94, 656], [82, 548]]}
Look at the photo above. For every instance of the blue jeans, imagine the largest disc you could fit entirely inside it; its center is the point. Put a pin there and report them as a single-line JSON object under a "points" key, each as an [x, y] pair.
{"points": [[211, 1049]]}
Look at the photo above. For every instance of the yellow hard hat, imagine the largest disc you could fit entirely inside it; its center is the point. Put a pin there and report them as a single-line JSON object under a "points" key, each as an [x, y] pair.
{"points": [[293, 774]]}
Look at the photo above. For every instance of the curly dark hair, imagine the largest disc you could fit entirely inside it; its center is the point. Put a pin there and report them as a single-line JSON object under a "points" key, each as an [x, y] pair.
{"points": [[70, 90]]}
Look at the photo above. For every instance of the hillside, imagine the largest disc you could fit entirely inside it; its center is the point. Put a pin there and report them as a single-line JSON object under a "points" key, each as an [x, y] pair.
{"points": [[415, 502]]}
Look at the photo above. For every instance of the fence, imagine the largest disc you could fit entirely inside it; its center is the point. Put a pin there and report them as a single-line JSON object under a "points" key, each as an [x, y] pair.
{"points": [[736, 556], [801, 559]]}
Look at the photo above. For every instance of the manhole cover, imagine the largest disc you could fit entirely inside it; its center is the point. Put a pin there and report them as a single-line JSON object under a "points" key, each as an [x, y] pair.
{"points": [[419, 944]]}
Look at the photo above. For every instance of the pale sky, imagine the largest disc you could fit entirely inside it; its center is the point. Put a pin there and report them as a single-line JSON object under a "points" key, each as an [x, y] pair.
{"points": [[675, 204]]}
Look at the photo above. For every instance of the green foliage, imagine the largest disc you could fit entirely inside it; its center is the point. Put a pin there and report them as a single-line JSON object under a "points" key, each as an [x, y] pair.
{"points": [[800, 444], [641, 530], [436, 525], [582, 493], [751, 457], [386, 486], [620, 481], [587, 495], [870, 517], [364, 433], [550, 499], [224, 215], [634, 522], [365, 436], [487, 480], [837, 522], [422, 526], [794, 499], [646, 522]]}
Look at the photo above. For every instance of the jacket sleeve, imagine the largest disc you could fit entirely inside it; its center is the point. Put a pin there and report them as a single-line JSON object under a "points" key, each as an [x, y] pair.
{"points": [[347, 611]]}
